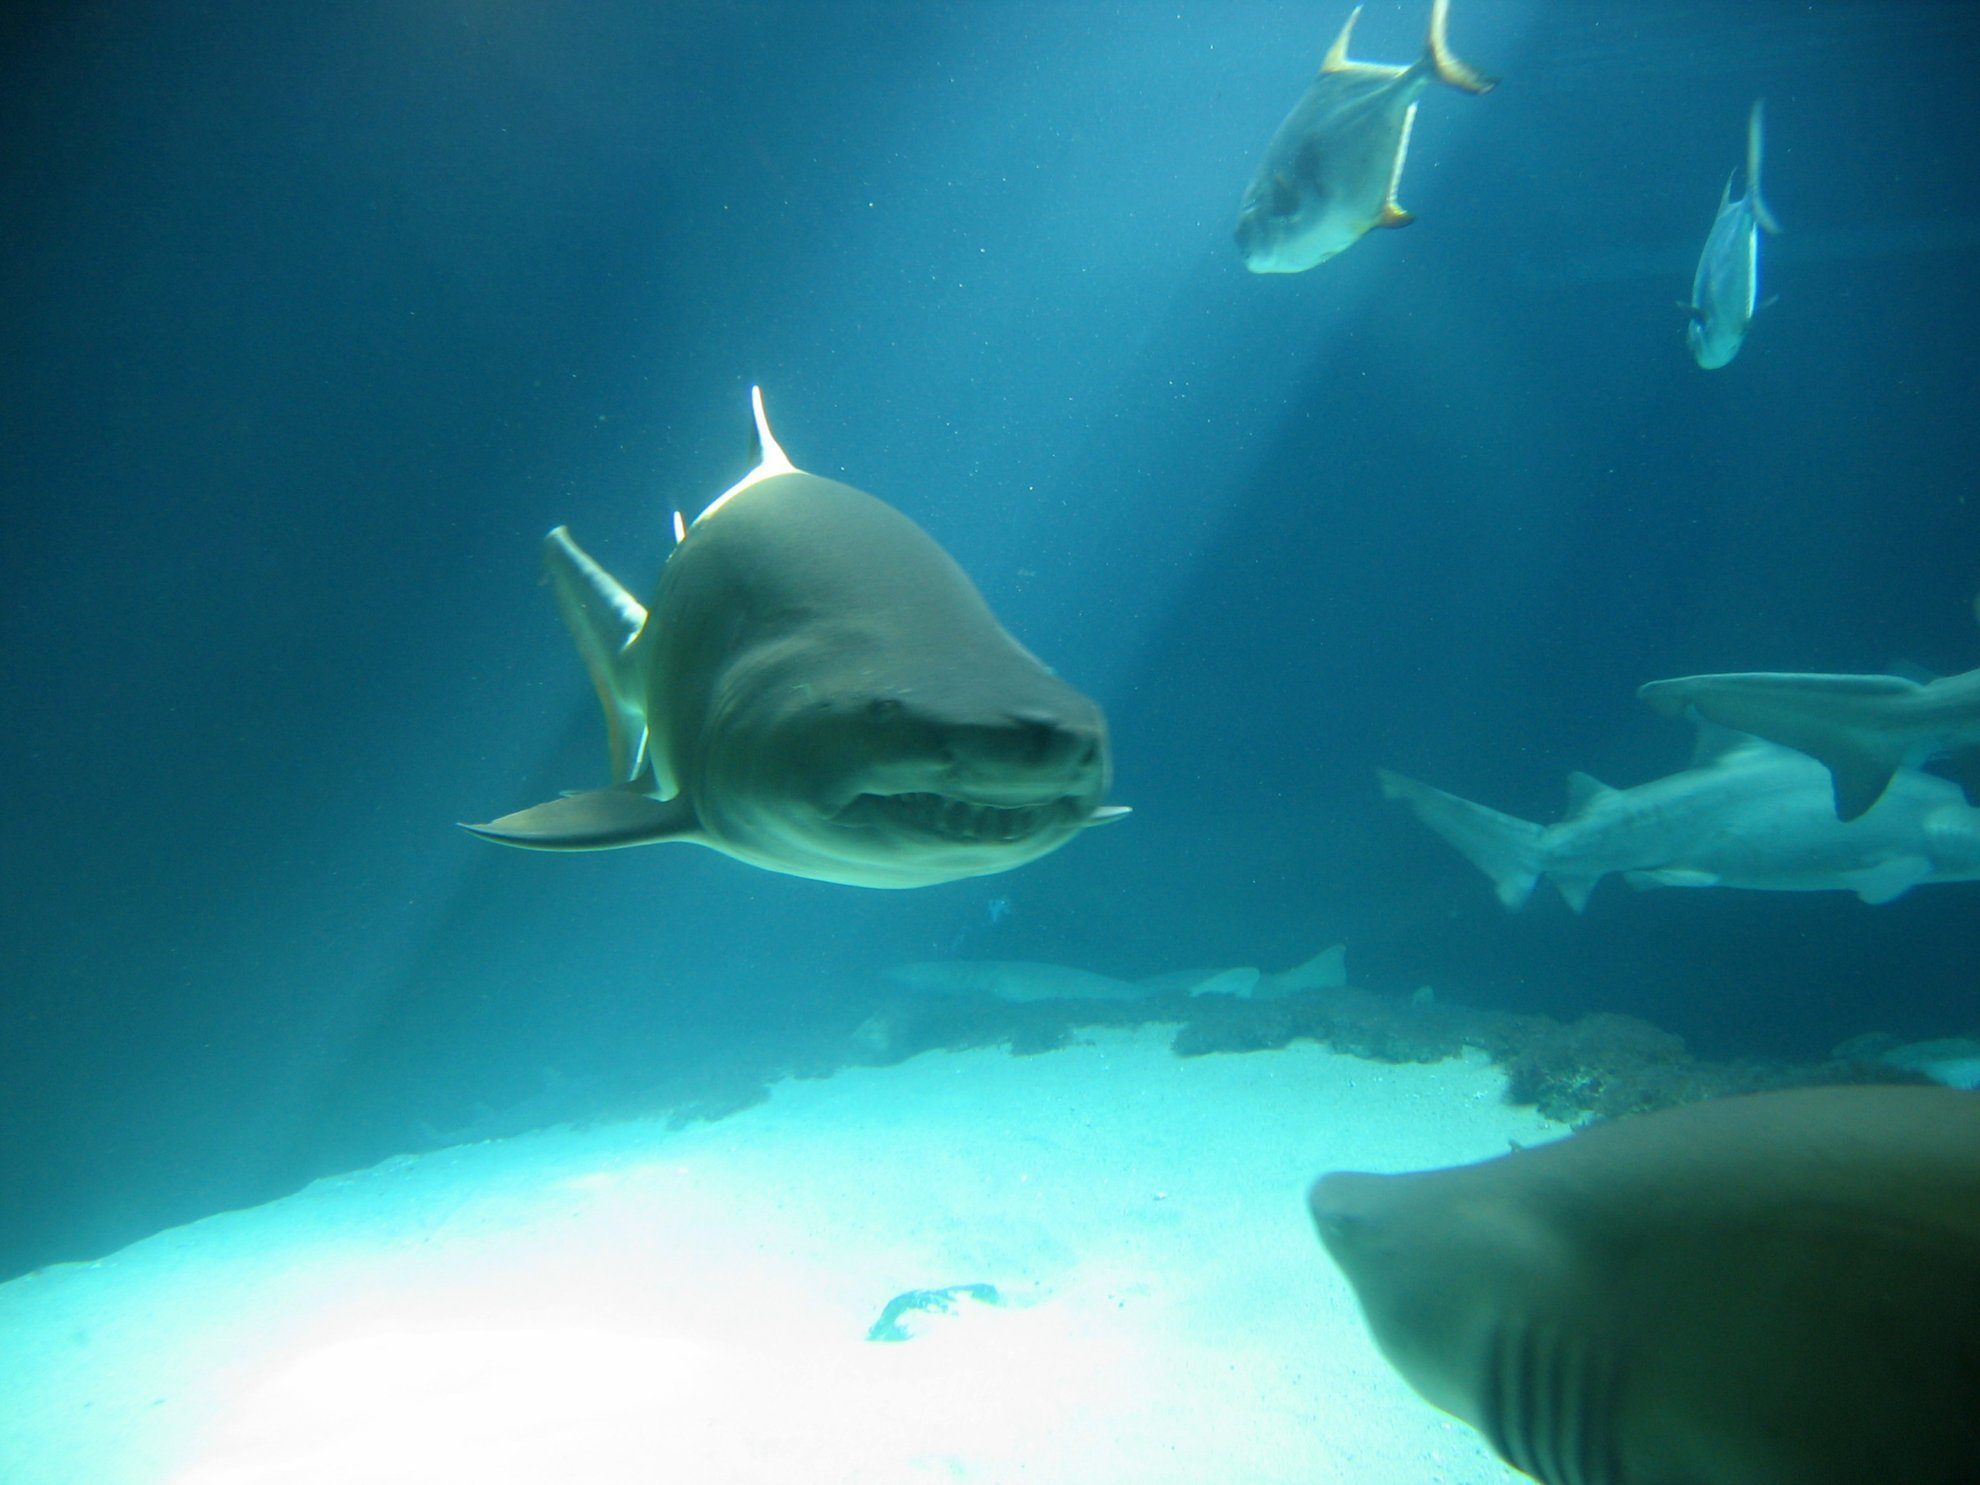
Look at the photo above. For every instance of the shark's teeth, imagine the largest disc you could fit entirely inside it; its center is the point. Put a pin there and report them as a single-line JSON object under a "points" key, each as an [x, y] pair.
{"points": [[955, 819]]}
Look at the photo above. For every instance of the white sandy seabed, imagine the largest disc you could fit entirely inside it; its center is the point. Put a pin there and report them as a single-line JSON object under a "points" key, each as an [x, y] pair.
{"points": [[634, 1304]]}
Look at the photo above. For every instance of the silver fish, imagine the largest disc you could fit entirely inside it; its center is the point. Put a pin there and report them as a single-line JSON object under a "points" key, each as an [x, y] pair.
{"points": [[1330, 173], [1725, 291]]}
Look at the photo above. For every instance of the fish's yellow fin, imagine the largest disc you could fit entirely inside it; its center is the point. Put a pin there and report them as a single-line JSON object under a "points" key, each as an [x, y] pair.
{"points": [[1336, 59], [1450, 70], [1392, 213]]}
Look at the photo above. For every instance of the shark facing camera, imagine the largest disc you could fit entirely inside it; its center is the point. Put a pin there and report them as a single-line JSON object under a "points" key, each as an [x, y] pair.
{"points": [[818, 689]]}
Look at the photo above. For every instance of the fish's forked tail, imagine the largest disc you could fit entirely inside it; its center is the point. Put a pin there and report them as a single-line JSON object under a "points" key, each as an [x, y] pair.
{"points": [[1763, 214], [1509, 850], [1445, 64]]}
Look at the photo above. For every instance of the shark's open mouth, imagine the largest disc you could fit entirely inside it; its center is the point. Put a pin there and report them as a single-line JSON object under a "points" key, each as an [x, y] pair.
{"points": [[945, 817]]}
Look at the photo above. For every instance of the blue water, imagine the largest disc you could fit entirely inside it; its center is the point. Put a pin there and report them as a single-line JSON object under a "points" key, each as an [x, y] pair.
{"points": [[319, 316]]}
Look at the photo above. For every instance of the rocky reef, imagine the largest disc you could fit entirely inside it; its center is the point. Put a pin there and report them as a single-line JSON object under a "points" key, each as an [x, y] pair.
{"points": [[1596, 1067]]}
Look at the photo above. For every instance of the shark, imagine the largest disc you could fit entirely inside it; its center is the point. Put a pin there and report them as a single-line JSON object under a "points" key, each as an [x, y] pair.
{"points": [[1862, 728], [1774, 1289], [1951, 1060], [1725, 289], [1023, 982], [1331, 171], [1746, 813], [818, 689]]}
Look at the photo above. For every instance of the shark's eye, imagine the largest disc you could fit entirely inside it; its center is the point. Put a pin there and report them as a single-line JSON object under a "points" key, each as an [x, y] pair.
{"points": [[881, 708]]}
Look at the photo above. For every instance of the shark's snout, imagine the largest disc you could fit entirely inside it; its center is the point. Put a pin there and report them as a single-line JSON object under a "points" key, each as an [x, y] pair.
{"points": [[1343, 1207], [1026, 751]]}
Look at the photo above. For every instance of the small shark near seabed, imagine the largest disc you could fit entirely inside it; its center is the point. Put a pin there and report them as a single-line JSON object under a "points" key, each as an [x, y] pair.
{"points": [[818, 690], [1725, 291], [1745, 814], [1331, 171], [1779, 1289], [1951, 1060], [1862, 728], [1023, 982]]}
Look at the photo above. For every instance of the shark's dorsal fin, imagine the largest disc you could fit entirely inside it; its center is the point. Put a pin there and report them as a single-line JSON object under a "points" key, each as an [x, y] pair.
{"points": [[1715, 742], [1584, 789], [771, 460]]}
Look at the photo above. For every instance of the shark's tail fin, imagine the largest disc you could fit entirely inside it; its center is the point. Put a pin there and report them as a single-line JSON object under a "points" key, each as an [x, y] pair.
{"points": [[1831, 718], [1755, 148], [1326, 970], [1444, 63], [604, 619], [1512, 852]]}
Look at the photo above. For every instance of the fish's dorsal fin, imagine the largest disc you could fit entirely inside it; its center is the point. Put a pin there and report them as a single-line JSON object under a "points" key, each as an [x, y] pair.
{"points": [[771, 460], [1755, 148], [1583, 789], [1338, 62], [1336, 59]]}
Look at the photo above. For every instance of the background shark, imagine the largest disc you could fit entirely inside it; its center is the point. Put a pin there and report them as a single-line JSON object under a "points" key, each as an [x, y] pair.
{"points": [[1862, 728], [1725, 290], [1745, 814], [1023, 981], [1330, 173], [819, 690]]}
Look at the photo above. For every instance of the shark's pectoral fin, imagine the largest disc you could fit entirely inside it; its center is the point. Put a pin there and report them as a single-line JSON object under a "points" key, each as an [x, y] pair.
{"points": [[1574, 890], [604, 620], [1670, 876], [1963, 768], [597, 820], [1235, 982], [1106, 814], [1889, 880]]}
